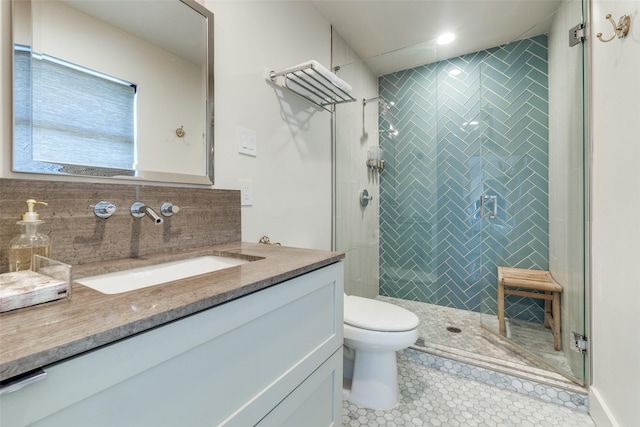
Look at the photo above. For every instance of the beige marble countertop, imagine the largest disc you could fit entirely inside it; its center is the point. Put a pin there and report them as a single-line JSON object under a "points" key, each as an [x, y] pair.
{"points": [[41, 335]]}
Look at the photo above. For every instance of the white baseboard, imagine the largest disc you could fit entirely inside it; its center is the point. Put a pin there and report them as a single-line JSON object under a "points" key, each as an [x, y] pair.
{"points": [[599, 410]]}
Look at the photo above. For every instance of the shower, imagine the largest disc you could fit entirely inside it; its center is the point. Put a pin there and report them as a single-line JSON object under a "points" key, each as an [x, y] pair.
{"points": [[456, 146]]}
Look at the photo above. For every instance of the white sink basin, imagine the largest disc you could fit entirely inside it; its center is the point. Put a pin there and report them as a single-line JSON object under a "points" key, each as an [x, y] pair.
{"points": [[138, 278]]}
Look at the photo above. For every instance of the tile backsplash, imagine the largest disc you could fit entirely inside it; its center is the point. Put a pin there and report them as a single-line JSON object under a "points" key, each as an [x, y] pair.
{"points": [[206, 217]]}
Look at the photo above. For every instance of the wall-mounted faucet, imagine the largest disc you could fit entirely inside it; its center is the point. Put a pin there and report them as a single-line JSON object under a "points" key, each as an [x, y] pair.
{"points": [[168, 209], [139, 210]]}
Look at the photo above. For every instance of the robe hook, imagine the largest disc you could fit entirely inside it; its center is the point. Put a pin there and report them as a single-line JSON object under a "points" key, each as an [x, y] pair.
{"points": [[621, 30]]}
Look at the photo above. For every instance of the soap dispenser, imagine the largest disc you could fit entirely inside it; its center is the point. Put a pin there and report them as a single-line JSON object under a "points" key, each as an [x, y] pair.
{"points": [[31, 242]]}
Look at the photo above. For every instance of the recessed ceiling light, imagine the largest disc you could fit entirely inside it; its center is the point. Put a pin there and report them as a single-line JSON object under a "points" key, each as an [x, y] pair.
{"points": [[446, 38]]}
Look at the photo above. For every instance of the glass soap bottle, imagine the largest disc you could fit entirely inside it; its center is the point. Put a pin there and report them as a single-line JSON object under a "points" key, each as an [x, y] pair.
{"points": [[31, 242]]}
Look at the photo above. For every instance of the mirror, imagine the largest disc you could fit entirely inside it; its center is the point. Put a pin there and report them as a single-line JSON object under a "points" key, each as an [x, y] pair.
{"points": [[114, 89]]}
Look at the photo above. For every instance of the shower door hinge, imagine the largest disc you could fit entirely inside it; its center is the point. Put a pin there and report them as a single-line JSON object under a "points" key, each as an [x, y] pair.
{"points": [[577, 35], [579, 343]]}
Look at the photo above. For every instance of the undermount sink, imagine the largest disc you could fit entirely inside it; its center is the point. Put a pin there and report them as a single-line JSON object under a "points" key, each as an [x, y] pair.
{"points": [[143, 277]]}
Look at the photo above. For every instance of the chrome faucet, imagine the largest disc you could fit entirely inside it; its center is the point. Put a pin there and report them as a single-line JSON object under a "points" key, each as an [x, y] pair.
{"points": [[139, 210]]}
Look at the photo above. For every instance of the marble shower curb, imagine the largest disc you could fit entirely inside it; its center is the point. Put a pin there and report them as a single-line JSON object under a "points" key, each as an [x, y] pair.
{"points": [[538, 385]]}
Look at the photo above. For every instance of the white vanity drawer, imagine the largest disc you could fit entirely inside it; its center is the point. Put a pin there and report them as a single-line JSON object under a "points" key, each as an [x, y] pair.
{"points": [[317, 402]]}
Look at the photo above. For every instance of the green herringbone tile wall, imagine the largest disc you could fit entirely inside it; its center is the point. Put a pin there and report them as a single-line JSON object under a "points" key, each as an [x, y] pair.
{"points": [[482, 129]]}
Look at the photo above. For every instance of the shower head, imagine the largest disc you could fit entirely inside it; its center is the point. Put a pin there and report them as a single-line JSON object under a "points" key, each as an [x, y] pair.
{"points": [[386, 106], [383, 109], [391, 132]]}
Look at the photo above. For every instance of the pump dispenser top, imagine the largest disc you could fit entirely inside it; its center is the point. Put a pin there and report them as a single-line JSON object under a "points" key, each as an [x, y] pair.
{"points": [[31, 242], [31, 215]]}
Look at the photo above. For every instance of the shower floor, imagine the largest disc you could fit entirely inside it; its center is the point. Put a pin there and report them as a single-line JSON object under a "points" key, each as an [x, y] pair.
{"points": [[478, 346]]}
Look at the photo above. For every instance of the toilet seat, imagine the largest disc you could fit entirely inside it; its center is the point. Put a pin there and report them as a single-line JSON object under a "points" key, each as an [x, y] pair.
{"points": [[374, 315]]}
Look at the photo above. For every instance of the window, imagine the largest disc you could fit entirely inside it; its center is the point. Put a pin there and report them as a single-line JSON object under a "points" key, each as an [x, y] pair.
{"points": [[77, 116]]}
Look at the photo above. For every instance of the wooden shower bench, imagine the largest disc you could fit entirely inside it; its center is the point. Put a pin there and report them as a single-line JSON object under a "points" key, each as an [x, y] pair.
{"points": [[512, 279]]}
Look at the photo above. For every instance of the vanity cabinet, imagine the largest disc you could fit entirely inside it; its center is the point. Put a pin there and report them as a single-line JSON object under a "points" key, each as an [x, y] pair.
{"points": [[271, 358]]}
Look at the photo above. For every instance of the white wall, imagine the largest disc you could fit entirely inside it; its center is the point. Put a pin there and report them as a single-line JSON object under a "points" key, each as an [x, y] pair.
{"points": [[357, 227], [615, 393], [291, 176]]}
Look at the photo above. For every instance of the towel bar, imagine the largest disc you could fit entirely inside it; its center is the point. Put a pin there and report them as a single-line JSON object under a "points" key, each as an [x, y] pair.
{"points": [[314, 83]]}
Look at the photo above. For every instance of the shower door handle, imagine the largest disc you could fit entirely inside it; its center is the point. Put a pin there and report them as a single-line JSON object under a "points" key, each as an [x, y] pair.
{"points": [[493, 212]]}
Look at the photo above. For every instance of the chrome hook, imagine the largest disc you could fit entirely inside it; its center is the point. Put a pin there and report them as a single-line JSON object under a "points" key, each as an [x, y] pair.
{"points": [[621, 30]]}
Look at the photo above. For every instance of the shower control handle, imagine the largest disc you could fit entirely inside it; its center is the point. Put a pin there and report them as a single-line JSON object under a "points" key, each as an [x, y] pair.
{"points": [[365, 198]]}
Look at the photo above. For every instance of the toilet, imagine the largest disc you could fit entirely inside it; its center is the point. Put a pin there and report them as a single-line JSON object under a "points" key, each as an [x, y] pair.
{"points": [[373, 332]]}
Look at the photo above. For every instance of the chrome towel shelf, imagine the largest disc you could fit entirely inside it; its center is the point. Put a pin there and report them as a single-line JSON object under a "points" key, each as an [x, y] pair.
{"points": [[314, 83]]}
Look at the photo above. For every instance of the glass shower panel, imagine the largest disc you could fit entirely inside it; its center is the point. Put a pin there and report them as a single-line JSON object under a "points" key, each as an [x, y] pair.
{"points": [[532, 157], [515, 136], [408, 187], [459, 173], [356, 226]]}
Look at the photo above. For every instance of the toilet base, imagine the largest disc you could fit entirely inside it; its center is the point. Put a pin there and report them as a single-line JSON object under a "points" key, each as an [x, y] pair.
{"points": [[374, 383]]}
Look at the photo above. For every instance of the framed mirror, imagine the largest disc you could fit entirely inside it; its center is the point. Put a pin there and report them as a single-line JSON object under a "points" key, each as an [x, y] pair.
{"points": [[114, 89]]}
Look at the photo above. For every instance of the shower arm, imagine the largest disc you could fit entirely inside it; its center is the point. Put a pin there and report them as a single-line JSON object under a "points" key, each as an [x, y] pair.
{"points": [[364, 104], [386, 106]]}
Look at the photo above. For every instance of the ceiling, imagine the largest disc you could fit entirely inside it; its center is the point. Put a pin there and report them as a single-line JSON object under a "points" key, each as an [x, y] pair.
{"points": [[394, 35]]}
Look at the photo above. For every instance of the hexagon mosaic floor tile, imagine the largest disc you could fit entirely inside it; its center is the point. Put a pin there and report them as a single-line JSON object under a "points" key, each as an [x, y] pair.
{"points": [[433, 398]]}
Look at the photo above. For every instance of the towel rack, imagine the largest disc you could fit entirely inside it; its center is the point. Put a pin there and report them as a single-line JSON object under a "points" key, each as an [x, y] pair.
{"points": [[310, 83]]}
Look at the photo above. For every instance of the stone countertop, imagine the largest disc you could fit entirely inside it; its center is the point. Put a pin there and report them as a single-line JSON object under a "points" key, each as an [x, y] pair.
{"points": [[37, 336]]}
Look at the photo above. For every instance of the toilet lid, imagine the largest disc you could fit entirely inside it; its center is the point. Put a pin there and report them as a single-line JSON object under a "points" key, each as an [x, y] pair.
{"points": [[374, 315]]}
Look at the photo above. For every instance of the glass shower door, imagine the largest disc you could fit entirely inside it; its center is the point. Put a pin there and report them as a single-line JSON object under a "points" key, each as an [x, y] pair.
{"points": [[533, 185]]}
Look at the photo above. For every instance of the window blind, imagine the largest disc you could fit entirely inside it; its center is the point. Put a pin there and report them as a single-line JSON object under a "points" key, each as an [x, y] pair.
{"points": [[79, 117]]}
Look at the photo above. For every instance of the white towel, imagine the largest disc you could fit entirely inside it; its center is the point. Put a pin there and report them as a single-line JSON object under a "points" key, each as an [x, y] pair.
{"points": [[295, 87], [320, 69]]}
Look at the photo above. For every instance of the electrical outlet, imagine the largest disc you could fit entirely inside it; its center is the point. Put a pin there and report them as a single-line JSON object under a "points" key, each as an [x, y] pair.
{"points": [[246, 193]]}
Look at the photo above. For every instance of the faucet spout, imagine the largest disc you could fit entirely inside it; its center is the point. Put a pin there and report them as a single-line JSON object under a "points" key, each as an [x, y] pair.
{"points": [[139, 210], [151, 214]]}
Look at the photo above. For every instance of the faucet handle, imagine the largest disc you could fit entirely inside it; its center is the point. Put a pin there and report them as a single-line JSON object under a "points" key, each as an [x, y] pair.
{"points": [[168, 209], [104, 209]]}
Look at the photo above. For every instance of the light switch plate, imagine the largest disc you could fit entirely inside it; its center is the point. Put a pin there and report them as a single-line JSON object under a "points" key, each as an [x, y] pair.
{"points": [[246, 193], [247, 141]]}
